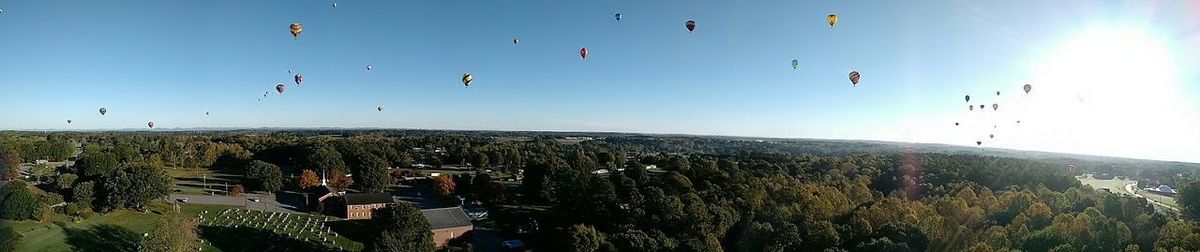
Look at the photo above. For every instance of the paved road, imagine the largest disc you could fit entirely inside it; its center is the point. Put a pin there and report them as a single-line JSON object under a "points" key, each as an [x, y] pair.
{"points": [[1130, 187], [266, 202]]}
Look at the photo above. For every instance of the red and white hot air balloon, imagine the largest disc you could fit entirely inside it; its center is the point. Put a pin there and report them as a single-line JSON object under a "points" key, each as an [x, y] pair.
{"points": [[583, 53]]}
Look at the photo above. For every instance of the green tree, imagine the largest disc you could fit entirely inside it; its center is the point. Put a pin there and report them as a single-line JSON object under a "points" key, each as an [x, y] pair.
{"points": [[584, 238], [65, 181], [372, 173], [400, 227], [264, 176], [171, 234], [136, 185], [84, 193], [1189, 197], [17, 202], [94, 165], [327, 159], [10, 164]]}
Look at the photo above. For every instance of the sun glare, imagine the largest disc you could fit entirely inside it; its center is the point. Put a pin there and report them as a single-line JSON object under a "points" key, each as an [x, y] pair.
{"points": [[1106, 91]]}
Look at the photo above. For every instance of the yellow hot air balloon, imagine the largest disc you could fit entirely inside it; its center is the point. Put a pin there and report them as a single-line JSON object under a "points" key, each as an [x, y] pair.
{"points": [[466, 79], [832, 19], [296, 28]]}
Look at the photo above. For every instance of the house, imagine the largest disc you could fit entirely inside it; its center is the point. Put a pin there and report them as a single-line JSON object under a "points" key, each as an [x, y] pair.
{"points": [[447, 223], [1162, 189], [360, 205]]}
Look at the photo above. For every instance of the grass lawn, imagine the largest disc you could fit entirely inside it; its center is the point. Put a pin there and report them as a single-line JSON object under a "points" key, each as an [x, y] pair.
{"points": [[38, 236], [191, 180]]}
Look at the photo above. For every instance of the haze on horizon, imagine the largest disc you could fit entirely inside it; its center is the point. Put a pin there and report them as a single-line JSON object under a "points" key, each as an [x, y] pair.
{"points": [[1109, 78]]}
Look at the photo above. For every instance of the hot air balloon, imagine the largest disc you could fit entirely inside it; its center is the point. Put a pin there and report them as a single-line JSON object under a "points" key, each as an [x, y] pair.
{"points": [[1, 11], [280, 88], [68, 121], [369, 67], [1027, 88], [968, 98], [466, 79], [992, 136], [380, 109], [832, 18], [795, 65], [516, 41], [150, 124], [971, 107], [995, 106], [299, 78], [997, 92], [296, 29], [1018, 121], [205, 113], [854, 76], [978, 142], [583, 53], [334, 5], [617, 16], [955, 123], [981, 106], [103, 111], [691, 25]]}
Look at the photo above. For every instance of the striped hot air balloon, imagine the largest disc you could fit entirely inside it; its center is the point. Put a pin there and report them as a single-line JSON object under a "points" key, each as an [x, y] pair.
{"points": [[466, 79], [854, 77], [296, 29]]}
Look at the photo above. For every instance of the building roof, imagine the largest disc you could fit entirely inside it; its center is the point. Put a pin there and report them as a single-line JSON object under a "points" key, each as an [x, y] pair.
{"points": [[450, 217], [368, 198]]}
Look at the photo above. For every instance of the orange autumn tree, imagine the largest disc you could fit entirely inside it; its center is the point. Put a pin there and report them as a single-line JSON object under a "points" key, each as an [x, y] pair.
{"points": [[308, 179], [444, 185], [339, 180]]}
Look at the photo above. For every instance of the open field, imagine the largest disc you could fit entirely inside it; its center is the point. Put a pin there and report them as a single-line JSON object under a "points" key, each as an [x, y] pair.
{"points": [[119, 228], [123, 228], [192, 181]]}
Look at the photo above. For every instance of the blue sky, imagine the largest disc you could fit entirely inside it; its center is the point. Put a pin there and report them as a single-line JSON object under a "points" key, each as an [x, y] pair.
{"points": [[171, 61]]}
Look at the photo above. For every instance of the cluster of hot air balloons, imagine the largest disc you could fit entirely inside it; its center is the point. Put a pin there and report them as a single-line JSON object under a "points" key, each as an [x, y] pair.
{"points": [[995, 108]]}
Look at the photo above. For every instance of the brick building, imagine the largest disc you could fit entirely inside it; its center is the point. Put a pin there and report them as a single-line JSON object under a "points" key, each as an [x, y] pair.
{"points": [[447, 223], [360, 205]]}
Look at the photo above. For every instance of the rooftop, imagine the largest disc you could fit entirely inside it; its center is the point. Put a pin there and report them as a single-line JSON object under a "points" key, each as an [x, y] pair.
{"points": [[450, 217], [368, 198]]}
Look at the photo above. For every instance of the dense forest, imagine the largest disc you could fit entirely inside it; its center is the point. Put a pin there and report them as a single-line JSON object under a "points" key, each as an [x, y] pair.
{"points": [[629, 192]]}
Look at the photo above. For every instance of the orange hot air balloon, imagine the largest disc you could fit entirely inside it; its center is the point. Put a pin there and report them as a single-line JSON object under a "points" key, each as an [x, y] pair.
{"points": [[832, 19], [583, 53], [296, 29]]}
